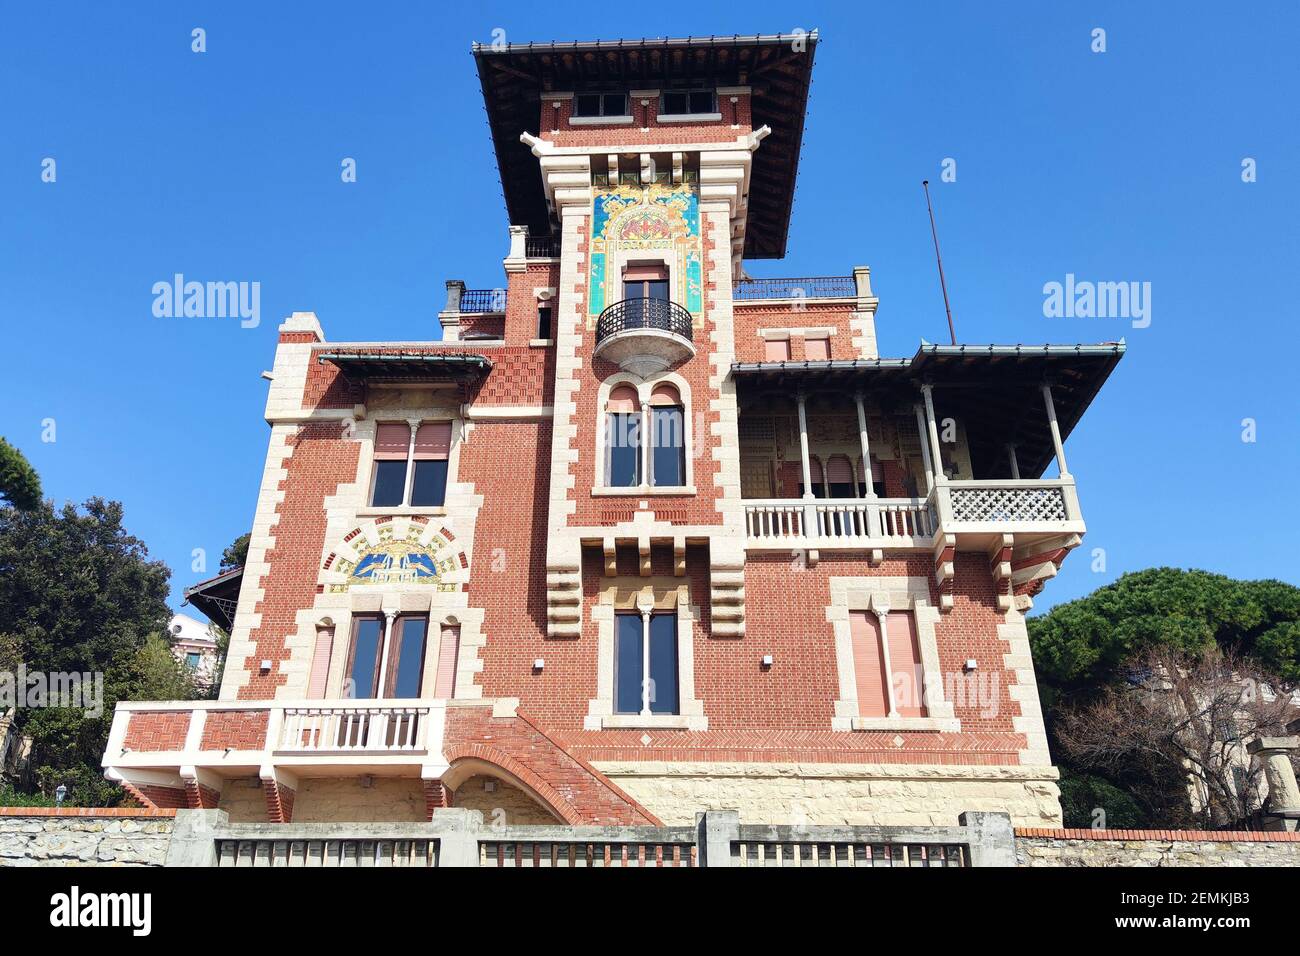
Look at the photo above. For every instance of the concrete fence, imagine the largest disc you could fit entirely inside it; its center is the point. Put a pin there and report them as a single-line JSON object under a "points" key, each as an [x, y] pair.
{"points": [[460, 838]]}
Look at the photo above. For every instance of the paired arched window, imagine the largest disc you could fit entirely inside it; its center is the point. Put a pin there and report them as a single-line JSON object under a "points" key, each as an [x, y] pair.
{"points": [[645, 445], [623, 438], [667, 437]]}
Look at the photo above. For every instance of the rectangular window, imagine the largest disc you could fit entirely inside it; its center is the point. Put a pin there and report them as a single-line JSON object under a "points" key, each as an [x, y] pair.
{"points": [[906, 674], [776, 350], [623, 448], [320, 663], [448, 651], [392, 446], [630, 659], [432, 449], [905, 663], [600, 104], [192, 660], [667, 446], [426, 463], [362, 676], [628, 664], [406, 657], [817, 350], [544, 321], [680, 102]]}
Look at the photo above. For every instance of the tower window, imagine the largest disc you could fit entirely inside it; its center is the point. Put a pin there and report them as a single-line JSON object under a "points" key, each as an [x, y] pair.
{"points": [[600, 104], [543, 320], [623, 438], [679, 102]]}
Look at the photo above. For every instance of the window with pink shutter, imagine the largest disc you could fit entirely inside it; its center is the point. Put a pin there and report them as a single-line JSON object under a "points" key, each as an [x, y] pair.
{"points": [[392, 448], [776, 350], [432, 450], [868, 664], [448, 652], [320, 663], [905, 663], [817, 350]]}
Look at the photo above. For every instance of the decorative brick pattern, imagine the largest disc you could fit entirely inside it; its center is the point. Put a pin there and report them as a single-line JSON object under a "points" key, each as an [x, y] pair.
{"points": [[234, 729], [157, 731]]}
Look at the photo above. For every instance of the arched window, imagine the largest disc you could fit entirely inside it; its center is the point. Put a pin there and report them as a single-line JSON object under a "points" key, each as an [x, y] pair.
{"points": [[623, 438], [667, 438]]}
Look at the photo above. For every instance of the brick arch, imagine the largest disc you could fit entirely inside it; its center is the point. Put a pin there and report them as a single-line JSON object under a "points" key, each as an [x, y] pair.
{"points": [[529, 781]]}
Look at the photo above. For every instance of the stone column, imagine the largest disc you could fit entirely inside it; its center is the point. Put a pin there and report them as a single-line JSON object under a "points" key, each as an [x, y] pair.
{"points": [[1283, 802], [715, 832]]}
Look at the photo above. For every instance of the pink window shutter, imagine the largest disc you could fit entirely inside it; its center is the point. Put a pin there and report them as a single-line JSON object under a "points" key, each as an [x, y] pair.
{"points": [[622, 399], [392, 441], [776, 350], [839, 470], [817, 350], [868, 664], [320, 663], [665, 394], [448, 651], [641, 273], [905, 662], [433, 441]]}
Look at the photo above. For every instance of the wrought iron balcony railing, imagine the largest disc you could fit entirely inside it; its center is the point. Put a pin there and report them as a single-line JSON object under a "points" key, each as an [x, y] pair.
{"points": [[810, 287], [647, 313], [541, 247], [483, 300]]}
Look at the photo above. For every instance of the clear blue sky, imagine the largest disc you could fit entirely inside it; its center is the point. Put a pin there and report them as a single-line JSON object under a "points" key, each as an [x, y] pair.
{"points": [[1124, 165]]}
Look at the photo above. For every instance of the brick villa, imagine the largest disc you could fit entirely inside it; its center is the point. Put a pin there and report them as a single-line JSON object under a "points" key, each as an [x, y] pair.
{"points": [[641, 535]]}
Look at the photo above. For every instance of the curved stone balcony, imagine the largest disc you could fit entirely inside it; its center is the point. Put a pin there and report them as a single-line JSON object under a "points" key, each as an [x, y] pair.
{"points": [[644, 336]]}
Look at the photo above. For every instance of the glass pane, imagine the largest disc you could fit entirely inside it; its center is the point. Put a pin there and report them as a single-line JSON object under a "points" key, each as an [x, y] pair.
{"points": [[544, 323], [657, 289], [627, 664], [623, 439], [614, 104], [409, 667], [674, 103], [429, 488], [363, 670], [668, 455], [390, 483], [702, 101], [663, 663], [588, 104]]}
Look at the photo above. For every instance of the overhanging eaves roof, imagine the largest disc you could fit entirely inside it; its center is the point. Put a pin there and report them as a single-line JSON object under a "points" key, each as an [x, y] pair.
{"points": [[217, 597], [409, 366], [992, 389]]}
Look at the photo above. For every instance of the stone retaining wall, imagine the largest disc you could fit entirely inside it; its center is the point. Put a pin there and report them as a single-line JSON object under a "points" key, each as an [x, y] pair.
{"points": [[1041, 847], [44, 836], [119, 837]]}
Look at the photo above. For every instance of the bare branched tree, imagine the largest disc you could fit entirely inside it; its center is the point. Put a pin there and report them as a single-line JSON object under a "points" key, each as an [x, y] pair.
{"points": [[1193, 715]]}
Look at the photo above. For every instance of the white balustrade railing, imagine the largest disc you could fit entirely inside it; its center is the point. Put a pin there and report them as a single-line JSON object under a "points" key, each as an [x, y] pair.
{"points": [[954, 507], [352, 728], [839, 522], [1048, 503]]}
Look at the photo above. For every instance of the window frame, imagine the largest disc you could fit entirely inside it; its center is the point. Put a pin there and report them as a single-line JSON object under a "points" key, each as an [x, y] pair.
{"points": [[689, 94], [410, 462], [602, 96]]}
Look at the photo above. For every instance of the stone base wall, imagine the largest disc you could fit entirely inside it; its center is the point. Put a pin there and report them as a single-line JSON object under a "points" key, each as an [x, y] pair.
{"points": [[1035, 847], [840, 794], [41, 836]]}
